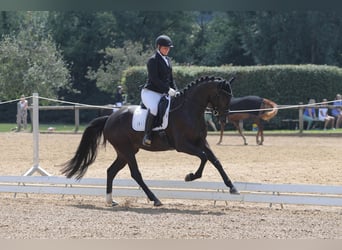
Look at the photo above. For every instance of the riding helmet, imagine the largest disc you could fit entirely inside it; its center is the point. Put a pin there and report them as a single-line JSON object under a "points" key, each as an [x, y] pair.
{"points": [[164, 40]]}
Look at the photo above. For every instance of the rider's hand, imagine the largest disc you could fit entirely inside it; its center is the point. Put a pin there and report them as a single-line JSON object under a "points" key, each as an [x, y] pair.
{"points": [[172, 92]]}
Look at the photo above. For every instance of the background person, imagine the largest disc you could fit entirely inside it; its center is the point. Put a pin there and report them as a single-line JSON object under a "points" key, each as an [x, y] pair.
{"points": [[22, 106], [309, 114], [337, 112], [208, 116], [323, 115], [118, 98]]}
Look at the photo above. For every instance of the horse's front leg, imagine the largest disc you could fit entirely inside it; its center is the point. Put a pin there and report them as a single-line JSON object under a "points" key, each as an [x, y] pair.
{"points": [[198, 173], [222, 124], [191, 149], [206, 155], [212, 158], [239, 126]]}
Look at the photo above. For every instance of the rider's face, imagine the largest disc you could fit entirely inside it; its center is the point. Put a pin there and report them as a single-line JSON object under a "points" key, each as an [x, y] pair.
{"points": [[164, 50]]}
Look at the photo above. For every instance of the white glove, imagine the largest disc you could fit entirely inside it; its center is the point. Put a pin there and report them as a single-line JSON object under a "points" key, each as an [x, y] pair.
{"points": [[172, 92]]}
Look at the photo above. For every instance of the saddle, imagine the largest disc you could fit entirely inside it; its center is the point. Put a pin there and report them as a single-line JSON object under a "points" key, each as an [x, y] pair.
{"points": [[160, 122]]}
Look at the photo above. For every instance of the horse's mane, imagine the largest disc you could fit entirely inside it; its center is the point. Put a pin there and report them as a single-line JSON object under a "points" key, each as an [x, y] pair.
{"points": [[177, 100], [200, 81]]}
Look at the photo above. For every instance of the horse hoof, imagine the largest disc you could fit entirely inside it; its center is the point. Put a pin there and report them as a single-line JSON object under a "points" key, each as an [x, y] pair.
{"points": [[233, 190], [188, 177], [157, 203], [112, 204]]}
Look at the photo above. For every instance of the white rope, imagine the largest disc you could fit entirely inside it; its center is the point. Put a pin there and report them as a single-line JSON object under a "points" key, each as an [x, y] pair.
{"points": [[282, 107], [232, 111], [74, 103], [15, 100]]}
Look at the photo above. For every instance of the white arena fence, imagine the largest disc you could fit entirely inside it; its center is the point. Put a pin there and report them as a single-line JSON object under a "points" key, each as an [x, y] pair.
{"points": [[216, 191], [302, 194]]}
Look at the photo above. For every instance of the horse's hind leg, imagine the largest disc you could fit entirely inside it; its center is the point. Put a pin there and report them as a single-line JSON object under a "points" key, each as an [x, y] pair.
{"points": [[260, 137], [260, 133], [112, 171], [136, 175]]}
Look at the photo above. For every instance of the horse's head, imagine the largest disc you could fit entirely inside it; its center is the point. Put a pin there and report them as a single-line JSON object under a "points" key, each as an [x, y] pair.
{"points": [[220, 100], [206, 91]]}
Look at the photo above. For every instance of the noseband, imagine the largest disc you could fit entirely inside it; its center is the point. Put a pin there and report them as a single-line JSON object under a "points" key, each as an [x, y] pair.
{"points": [[226, 88], [215, 108]]}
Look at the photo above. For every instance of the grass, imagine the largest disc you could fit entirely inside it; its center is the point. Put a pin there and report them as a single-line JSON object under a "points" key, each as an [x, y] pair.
{"points": [[7, 127], [285, 132], [69, 128]]}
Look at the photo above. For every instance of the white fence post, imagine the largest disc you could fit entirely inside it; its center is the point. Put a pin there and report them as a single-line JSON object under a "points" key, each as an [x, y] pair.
{"points": [[35, 125]]}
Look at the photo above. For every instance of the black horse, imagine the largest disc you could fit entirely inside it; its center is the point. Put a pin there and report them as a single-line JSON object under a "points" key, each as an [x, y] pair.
{"points": [[186, 132]]}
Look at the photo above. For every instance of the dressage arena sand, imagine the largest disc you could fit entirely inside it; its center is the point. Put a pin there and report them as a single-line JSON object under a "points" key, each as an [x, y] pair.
{"points": [[291, 159]]}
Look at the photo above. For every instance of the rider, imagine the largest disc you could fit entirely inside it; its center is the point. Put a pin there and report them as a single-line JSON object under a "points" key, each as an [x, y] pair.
{"points": [[159, 83]]}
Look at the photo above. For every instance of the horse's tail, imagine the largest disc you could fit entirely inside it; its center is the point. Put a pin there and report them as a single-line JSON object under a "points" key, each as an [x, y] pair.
{"points": [[268, 115], [87, 150]]}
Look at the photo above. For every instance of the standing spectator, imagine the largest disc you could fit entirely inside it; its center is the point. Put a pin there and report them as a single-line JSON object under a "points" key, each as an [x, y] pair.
{"points": [[309, 114], [323, 115], [118, 99], [22, 106], [208, 116], [337, 112]]}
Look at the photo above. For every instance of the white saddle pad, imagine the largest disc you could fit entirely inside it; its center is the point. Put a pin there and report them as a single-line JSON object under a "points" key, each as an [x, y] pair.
{"points": [[139, 119]]}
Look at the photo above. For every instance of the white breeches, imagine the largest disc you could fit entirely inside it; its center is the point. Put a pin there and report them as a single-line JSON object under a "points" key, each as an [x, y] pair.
{"points": [[151, 100]]}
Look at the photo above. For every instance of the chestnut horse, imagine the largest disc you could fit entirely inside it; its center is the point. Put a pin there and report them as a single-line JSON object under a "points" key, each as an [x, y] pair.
{"points": [[255, 108], [186, 132]]}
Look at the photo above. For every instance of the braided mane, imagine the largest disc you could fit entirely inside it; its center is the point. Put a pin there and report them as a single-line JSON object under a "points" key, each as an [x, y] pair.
{"points": [[200, 80], [178, 100]]}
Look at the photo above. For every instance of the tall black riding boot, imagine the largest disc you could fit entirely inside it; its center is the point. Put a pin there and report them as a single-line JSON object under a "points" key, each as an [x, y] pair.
{"points": [[148, 129]]}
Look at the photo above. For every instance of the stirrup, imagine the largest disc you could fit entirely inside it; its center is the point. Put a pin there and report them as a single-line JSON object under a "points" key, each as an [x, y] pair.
{"points": [[147, 141]]}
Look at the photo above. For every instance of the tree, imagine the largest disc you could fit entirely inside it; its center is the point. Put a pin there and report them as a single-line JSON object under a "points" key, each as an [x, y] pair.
{"points": [[218, 41], [30, 62], [145, 26], [81, 36], [295, 37], [109, 75], [10, 22]]}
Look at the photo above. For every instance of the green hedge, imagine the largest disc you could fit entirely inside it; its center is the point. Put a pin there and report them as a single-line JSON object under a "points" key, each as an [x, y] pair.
{"points": [[284, 84]]}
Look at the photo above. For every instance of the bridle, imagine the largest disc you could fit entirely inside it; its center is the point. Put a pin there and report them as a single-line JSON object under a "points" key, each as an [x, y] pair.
{"points": [[222, 88], [216, 111]]}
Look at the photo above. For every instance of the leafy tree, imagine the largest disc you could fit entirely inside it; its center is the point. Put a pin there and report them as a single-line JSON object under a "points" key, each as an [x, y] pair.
{"points": [[84, 37], [30, 62], [109, 75], [81, 35], [295, 37], [221, 44], [145, 26], [10, 22]]}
